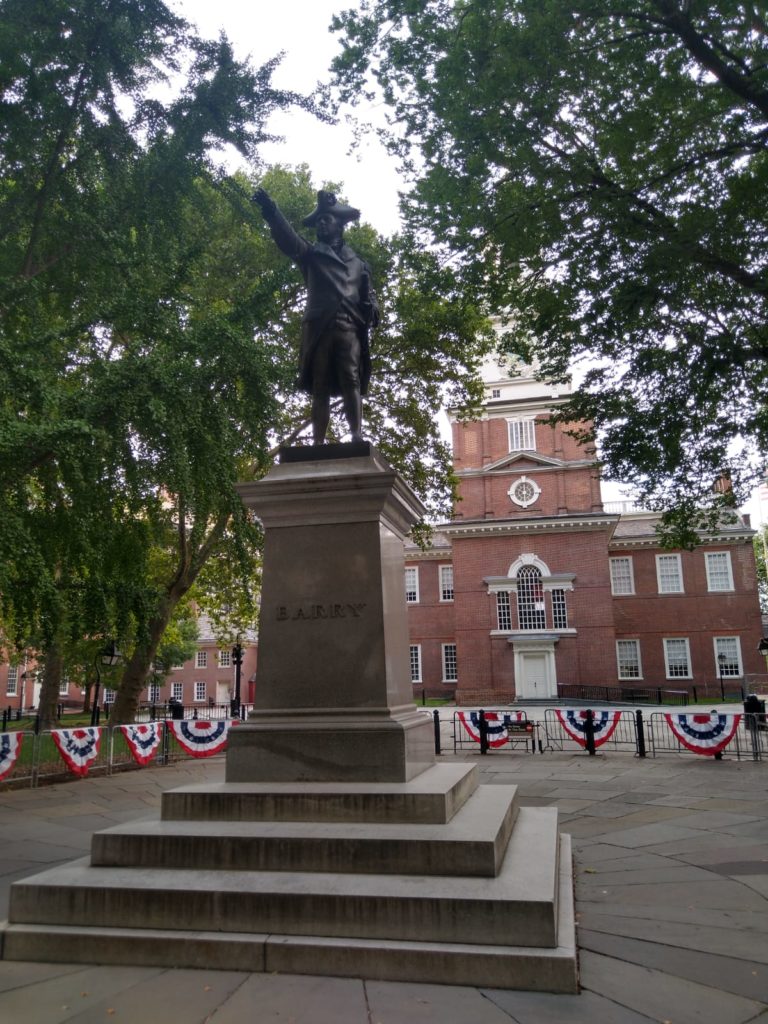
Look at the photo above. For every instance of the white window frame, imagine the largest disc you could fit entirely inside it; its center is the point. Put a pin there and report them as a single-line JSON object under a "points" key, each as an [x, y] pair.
{"points": [[204, 691], [712, 575], [153, 693], [495, 392], [446, 582], [109, 695], [521, 434], [719, 642], [12, 682], [669, 560], [177, 691], [559, 608], [667, 641], [503, 611], [225, 659], [201, 659], [412, 588], [624, 643], [414, 654], [622, 583], [450, 665]]}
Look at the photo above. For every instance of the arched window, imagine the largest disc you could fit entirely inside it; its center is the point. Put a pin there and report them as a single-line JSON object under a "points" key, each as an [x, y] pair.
{"points": [[530, 598]]}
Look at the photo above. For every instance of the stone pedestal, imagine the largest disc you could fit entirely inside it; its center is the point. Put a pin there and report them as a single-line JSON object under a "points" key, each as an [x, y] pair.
{"points": [[333, 692], [336, 846]]}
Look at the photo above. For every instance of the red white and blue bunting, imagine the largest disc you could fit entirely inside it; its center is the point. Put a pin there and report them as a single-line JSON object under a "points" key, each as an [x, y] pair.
{"points": [[79, 748], [143, 740], [496, 723], [574, 721], [198, 737], [706, 733], [10, 748]]}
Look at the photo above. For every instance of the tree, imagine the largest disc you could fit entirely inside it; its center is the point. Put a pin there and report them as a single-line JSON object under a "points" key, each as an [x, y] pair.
{"points": [[597, 173], [118, 395]]}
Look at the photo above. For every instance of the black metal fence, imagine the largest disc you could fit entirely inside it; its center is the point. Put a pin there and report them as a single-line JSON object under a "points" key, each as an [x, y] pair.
{"points": [[743, 736]]}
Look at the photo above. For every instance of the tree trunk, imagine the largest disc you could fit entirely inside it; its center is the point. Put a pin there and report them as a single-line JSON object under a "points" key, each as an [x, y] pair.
{"points": [[140, 664], [53, 666]]}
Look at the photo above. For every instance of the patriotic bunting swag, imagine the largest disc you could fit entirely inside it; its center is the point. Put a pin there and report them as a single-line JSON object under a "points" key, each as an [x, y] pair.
{"points": [[79, 748], [143, 740], [707, 733], [496, 723], [199, 738], [10, 748], [575, 724]]}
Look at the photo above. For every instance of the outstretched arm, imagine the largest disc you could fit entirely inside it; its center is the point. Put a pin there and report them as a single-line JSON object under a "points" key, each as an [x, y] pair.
{"points": [[291, 243]]}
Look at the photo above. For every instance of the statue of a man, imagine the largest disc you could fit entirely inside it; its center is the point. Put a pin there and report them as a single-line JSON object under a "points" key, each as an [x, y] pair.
{"points": [[341, 309]]}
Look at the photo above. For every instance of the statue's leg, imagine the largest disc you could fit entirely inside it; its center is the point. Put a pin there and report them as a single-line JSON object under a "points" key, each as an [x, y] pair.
{"points": [[347, 353], [321, 415], [321, 389]]}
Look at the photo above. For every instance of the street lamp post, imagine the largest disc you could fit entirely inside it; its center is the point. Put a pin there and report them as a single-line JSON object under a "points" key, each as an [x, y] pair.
{"points": [[109, 656], [237, 658], [721, 660]]}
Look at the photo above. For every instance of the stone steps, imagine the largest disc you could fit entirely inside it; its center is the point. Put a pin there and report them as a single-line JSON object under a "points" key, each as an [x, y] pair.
{"points": [[520, 966], [472, 843], [431, 798], [518, 905]]}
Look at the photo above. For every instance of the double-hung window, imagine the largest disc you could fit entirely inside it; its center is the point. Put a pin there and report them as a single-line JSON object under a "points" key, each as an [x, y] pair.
{"points": [[622, 576], [446, 582], [669, 573], [415, 657], [412, 584], [719, 572], [677, 658], [628, 659], [450, 664], [728, 657]]}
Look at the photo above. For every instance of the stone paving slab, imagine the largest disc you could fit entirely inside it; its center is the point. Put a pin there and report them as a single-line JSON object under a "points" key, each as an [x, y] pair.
{"points": [[197, 996], [743, 945], [293, 999], [742, 977], [663, 996], [63, 998], [655, 947]]}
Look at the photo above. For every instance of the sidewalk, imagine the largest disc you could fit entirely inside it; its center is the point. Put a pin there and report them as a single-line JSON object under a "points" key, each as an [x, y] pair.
{"points": [[672, 902]]}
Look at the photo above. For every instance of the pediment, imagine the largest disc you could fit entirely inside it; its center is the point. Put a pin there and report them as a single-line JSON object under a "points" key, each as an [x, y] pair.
{"points": [[521, 461]]}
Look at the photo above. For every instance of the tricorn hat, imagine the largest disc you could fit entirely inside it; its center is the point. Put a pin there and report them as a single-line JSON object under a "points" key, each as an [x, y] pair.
{"points": [[328, 203]]}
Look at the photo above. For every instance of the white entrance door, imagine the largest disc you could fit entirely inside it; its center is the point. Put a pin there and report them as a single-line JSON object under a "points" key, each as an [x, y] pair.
{"points": [[535, 670], [535, 676]]}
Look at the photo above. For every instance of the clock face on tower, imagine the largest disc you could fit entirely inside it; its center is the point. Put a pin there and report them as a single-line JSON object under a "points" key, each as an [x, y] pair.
{"points": [[524, 492]]}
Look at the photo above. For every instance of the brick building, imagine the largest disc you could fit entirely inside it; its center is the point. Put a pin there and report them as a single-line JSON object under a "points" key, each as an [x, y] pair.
{"points": [[535, 582], [207, 677]]}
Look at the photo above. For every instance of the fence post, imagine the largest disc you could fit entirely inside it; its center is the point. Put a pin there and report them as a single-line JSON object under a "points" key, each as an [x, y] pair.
{"points": [[37, 724], [589, 731], [640, 733], [5, 719], [436, 724], [483, 727]]}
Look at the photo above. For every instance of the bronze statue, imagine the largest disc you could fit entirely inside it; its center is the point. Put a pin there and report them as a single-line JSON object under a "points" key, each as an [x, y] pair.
{"points": [[341, 309]]}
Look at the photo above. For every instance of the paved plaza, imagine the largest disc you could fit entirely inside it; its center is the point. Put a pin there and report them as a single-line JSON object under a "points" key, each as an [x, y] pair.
{"points": [[671, 886]]}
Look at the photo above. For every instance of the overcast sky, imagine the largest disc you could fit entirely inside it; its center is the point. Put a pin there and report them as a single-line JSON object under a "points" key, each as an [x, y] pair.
{"points": [[300, 29]]}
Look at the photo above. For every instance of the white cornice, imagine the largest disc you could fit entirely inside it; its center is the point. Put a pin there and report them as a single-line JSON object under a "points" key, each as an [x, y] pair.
{"points": [[652, 540], [554, 524]]}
